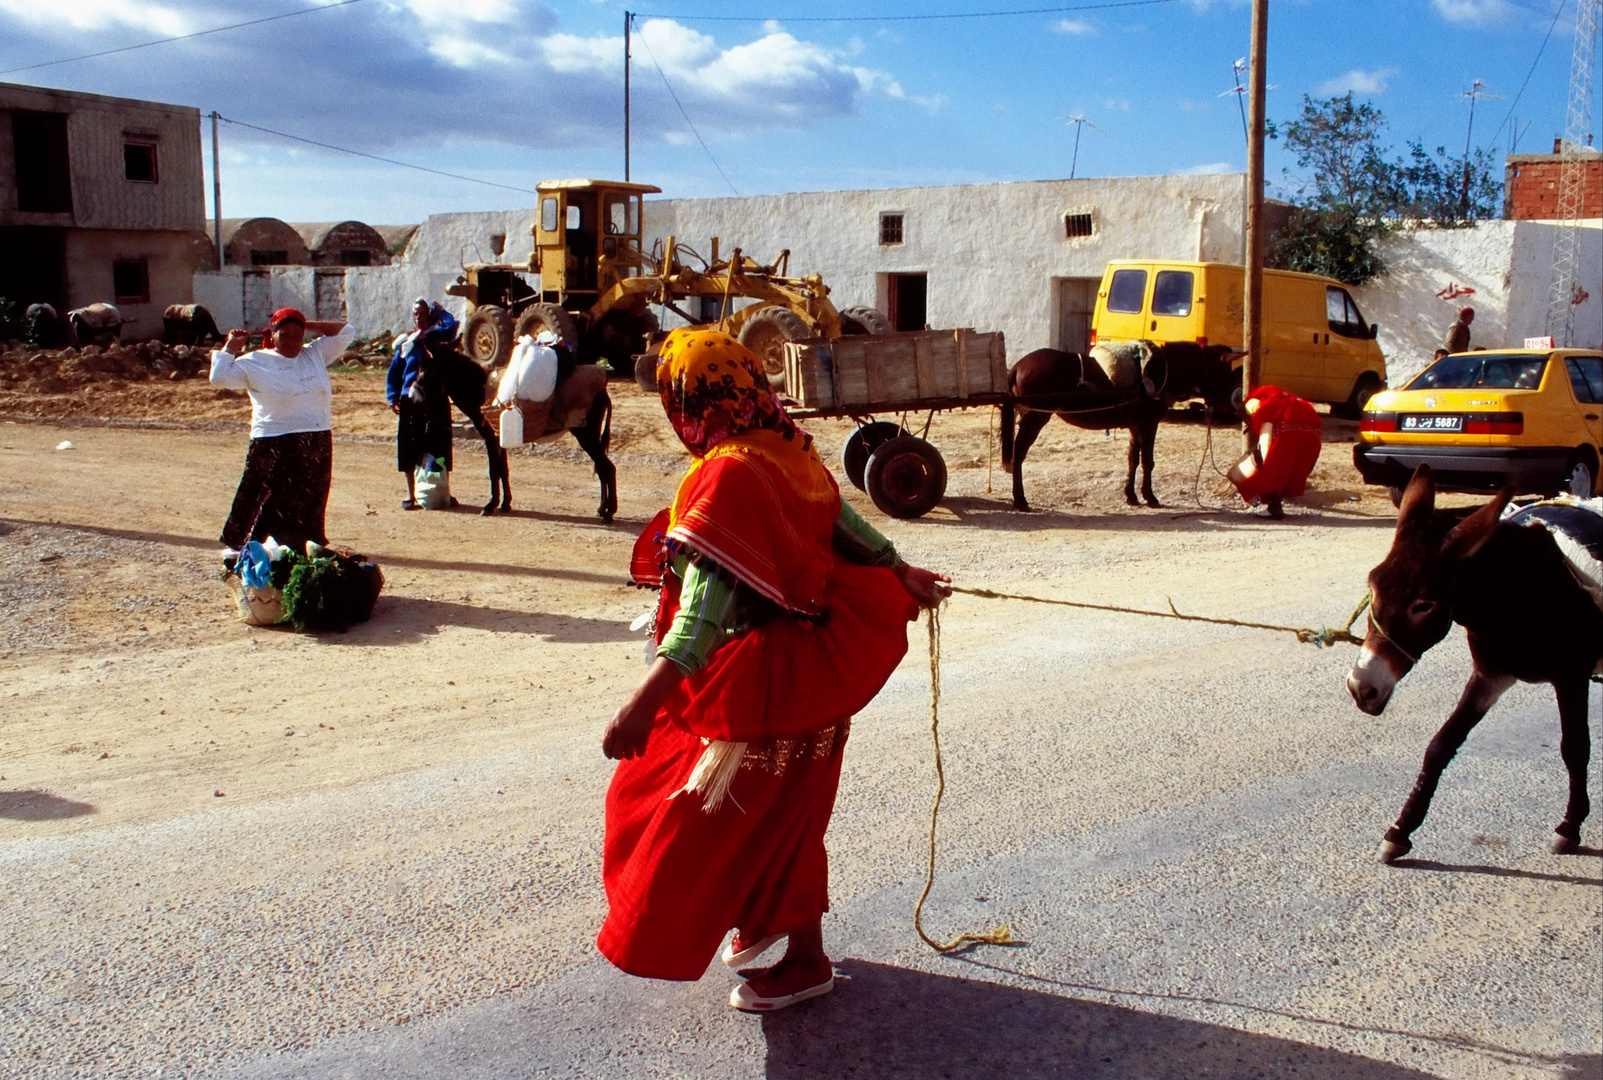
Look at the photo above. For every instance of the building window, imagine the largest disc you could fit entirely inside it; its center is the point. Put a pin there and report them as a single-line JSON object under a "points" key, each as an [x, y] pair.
{"points": [[890, 228], [1077, 224], [139, 162], [259, 257], [130, 281], [358, 257], [44, 183]]}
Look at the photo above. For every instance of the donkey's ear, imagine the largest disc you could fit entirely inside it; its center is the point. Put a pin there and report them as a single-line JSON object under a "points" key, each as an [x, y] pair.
{"points": [[1419, 501], [1471, 534]]}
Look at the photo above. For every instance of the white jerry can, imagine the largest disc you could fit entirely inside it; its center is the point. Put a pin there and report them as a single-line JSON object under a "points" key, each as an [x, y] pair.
{"points": [[511, 428]]}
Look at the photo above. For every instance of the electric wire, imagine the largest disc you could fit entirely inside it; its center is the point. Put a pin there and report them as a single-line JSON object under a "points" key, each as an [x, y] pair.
{"points": [[1515, 104], [686, 115], [910, 18], [375, 157], [183, 37]]}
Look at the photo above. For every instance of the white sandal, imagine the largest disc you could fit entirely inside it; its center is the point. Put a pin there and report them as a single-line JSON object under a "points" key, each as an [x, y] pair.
{"points": [[744, 998], [745, 956]]}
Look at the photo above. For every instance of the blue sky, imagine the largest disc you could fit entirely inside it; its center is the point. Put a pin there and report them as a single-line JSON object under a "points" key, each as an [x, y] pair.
{"points": [[516, 91]]}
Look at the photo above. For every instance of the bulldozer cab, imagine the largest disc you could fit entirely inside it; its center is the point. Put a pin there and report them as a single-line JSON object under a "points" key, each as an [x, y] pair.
{"points": [[587, 238]]}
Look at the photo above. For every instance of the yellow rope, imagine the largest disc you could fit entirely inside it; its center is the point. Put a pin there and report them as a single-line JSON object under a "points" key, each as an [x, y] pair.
{"points": [[1306, 635], [1001, 935]]}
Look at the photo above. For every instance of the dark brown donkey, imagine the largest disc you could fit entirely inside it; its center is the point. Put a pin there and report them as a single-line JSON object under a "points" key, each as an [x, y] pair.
{"points": [[1074, 387], [1527, 618]]}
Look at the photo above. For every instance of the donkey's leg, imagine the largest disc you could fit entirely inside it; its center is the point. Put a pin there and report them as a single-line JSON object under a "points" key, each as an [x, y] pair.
{"points": [[1480, 694], [1575, 747], [1030, 425], [1149, 438], [495, 455], [591, 438], [1132, 461]]}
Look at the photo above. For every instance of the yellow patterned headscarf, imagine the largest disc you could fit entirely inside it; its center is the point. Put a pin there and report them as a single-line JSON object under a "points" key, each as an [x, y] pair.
{"points": [[719, 402]]}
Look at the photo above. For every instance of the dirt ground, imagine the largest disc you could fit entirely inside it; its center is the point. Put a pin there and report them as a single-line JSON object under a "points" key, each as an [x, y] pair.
{"points": [[169, 776]]}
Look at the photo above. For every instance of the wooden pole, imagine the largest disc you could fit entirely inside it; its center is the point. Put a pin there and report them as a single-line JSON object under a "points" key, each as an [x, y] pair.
{"points": [[628, 17], [217, 197], [1253, 297]]}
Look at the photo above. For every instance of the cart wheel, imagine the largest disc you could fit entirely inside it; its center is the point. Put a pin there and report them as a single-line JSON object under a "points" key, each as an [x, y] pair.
{"points": [[863, 442], [646, 372], [906, 477]]}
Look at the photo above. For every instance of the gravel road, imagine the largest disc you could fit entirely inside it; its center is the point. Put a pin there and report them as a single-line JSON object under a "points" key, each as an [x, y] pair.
{"points": [[241, 853]]}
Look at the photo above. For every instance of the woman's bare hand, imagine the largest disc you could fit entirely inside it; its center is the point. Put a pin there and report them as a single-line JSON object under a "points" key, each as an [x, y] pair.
{"points": [[925, 586], [630, 729], [237, 340]]}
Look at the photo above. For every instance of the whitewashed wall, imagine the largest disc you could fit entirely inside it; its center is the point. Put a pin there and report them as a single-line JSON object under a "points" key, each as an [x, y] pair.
{"points": [[991, 251], [1507, 263]]}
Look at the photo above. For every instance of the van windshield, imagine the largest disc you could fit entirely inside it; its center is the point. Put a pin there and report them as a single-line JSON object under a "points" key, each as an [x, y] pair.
{"points": [[1171, 292], [1128, 293], [1494, 371]]}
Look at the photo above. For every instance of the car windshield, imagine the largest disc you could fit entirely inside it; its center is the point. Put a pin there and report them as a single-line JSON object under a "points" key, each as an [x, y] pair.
{"points": [[1494, 371]]}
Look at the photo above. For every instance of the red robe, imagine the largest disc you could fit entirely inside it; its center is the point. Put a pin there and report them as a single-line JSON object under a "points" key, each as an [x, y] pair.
{"points": [[678, 879], [1295, 435]]}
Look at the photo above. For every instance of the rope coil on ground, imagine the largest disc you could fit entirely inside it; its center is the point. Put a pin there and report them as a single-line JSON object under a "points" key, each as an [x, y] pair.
{"points": [[1001, 935]]}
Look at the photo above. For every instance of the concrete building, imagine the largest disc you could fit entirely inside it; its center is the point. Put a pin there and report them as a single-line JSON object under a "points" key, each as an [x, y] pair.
{"points": [[344, 243], [101, 199], [1530, 185], [263, 241]]}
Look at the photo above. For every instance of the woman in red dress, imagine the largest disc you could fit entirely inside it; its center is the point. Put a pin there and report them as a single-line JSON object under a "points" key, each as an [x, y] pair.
{"points": [[782, 614], [1285, 435]]}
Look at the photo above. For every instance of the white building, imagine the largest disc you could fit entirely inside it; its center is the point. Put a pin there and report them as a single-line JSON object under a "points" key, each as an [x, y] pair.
{"points": [[1024, 258]]}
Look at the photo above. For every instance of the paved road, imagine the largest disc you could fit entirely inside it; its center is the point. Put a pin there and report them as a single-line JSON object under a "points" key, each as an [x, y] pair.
{"points": [[1179, 821]]}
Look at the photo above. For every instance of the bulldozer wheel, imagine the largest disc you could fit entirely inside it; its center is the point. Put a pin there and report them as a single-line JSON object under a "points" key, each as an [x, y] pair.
{"points": [[766, 332], [865, 320], [558, 320], [487, 337]]}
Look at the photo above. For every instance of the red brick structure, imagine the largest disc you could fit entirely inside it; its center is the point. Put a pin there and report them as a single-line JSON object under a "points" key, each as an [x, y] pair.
{"points": [[1530, 188]]}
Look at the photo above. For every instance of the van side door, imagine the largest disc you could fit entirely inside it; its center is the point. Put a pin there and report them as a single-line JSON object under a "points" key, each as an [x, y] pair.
{"points": [[1347, 348], [1170, 313], [1122, 304], [1293, 333]]}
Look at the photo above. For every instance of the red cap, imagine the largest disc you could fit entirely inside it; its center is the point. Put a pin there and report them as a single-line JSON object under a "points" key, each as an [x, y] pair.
{"points": [[1467, 314], [284, 315]]}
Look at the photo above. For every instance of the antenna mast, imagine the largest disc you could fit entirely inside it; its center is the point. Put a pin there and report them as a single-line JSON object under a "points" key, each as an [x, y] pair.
{"points": [[1566, 291]]}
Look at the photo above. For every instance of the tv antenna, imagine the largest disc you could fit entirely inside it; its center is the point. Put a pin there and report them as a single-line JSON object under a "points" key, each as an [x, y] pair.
{"points": [[1080, 123]]}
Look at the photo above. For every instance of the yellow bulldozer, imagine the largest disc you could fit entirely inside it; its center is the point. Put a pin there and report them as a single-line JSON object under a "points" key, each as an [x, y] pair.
{"points": [[589, 282]]}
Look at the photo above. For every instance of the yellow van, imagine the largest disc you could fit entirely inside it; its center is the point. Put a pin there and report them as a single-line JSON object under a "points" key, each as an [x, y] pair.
{"points": [[1315, 342]]}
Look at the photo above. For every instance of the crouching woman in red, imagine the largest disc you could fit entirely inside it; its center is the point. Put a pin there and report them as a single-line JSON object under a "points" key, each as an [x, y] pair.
{"points": [[782, 614], [1285, 435]]}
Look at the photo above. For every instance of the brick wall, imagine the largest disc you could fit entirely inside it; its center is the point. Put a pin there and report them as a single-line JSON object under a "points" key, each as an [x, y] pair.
{"points": [[1532, 189]]}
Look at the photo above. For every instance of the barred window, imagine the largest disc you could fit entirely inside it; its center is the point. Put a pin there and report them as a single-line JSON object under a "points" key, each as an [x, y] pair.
{"points": [[1077, 225], [890, 228]]}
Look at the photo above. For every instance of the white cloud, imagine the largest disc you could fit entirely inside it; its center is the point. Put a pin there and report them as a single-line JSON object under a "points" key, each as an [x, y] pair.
{"points": [[1212, 168], [1076, 27], [1116, 104], [1358, 81], [1477, 12], [100, 15]]}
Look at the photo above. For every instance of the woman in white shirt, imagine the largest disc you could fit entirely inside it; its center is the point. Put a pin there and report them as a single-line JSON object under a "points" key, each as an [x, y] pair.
{"points": [[290, 463]]}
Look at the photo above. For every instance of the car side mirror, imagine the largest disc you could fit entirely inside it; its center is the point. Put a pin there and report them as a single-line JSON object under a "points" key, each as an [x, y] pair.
{"points": [[1374, 330]]}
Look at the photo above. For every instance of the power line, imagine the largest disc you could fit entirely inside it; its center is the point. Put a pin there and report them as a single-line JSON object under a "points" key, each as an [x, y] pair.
{"points": [[1531, 72], [182, 37], [375, 157], [908, 18], [686, 115]]}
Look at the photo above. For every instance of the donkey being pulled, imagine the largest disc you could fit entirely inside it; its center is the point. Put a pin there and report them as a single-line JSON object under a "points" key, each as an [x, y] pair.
{"points": [[1527, 617], [1078, 389]]}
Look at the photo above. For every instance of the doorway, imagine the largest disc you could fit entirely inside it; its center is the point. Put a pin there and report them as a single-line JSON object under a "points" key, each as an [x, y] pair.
{"points": [[330, 295], [1074, 303], [258, 298], [907, 297]]}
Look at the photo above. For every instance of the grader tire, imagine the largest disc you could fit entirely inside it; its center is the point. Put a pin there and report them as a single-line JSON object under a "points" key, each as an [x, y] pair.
{"points": [[766, 332], [538, 317], [865, 320], [487, 337]]}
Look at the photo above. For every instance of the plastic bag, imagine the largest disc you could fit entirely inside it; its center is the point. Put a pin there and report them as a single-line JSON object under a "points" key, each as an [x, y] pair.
{"points": [[432, 484], [531, 375]]}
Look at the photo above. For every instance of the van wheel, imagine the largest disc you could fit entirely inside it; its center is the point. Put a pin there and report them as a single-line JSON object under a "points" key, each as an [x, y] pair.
{"points": [[1580, 476], [1367, 386]]}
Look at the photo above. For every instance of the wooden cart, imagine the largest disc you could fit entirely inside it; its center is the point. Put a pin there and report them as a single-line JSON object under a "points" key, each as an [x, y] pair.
{"points": [[862, 376]]}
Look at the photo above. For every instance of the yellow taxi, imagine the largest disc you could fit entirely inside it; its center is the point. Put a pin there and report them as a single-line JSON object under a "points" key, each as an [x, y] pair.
{"points": [[1531, 417]]}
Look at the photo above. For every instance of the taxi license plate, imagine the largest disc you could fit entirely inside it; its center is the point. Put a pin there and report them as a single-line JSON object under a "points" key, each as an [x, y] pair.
{"points": [[1432, 422]]}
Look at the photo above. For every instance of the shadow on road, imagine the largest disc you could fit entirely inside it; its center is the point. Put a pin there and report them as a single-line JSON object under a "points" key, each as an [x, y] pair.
{"points": [[400, 620], [892, 1022], [998, 514], [1501, 871], [40, 806]]}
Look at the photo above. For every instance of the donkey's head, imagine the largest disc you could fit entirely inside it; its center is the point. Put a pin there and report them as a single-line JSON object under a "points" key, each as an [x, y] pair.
{"points": [[1410, 606]]}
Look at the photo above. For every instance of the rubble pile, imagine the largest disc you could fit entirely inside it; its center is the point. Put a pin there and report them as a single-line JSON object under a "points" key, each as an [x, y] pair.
{"points": [[31, 369]]}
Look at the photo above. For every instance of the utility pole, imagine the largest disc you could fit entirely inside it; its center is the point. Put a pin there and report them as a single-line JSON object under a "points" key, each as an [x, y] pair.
{"points": [[217, 197], [628, 17], [1253, 296]]}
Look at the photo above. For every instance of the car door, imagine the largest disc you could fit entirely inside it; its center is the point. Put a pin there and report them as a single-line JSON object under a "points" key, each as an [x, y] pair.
{"points": [[1586, 379]]}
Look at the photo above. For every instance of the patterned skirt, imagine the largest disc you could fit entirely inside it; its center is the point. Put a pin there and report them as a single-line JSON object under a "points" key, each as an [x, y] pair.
{"points": [[284, 492]]}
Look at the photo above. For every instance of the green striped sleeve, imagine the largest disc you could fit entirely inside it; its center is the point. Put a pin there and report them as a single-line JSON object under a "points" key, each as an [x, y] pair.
{"points": [[706, 608], [860, 541]]}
